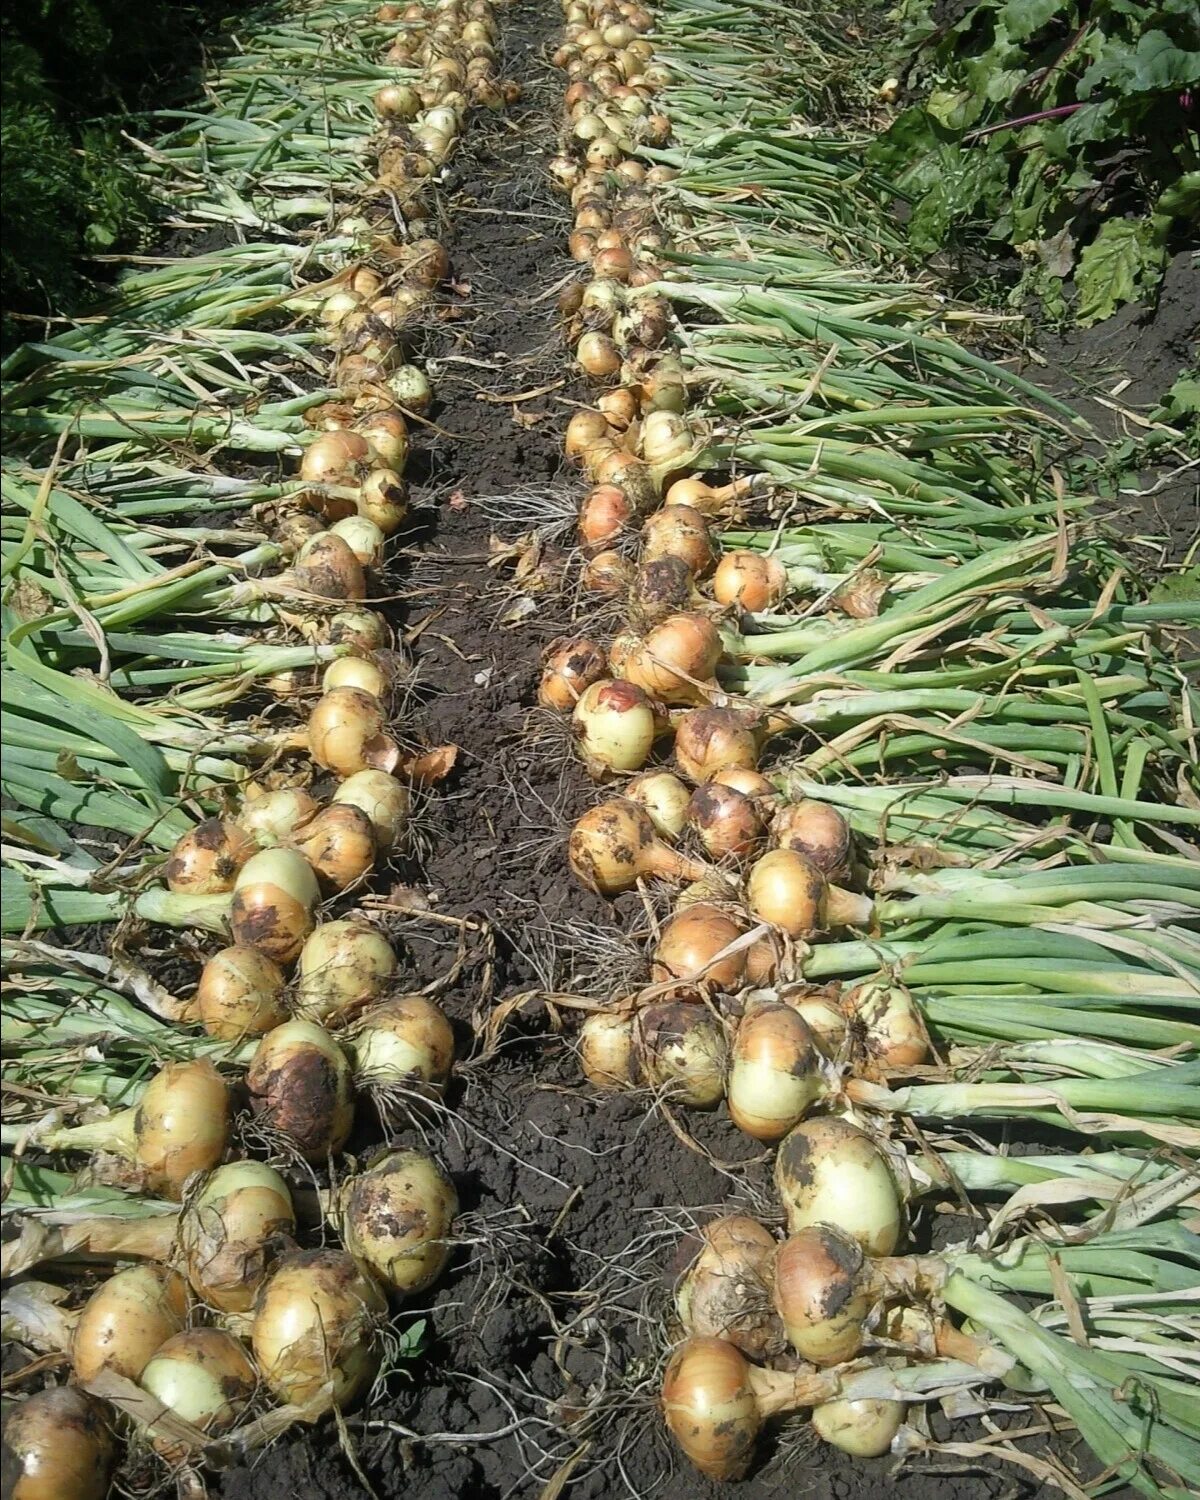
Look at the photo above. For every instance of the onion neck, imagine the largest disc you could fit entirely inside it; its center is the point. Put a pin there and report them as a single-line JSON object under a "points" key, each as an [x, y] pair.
{"points": [[843, 908], [32, 1316], [657, 858], [777, 1391], [178, 909], [115, 1133]]}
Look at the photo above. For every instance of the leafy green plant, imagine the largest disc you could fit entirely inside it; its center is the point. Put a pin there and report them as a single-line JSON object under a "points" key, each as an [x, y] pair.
{"points": [[1065, 131]]}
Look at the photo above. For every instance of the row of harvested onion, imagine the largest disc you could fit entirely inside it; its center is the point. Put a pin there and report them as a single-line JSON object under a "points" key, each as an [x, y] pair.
{"points": [[763, 871], [226, 1271]]}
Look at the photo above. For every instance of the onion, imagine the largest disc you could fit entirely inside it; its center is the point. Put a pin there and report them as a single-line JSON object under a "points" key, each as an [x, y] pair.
{"points": [[821, 1294], [205, 1377], [361, 628], [427, 263], [273, 903], [661, 588], [711, 740], [387, 433], [315, 1335], [828, 1171], [818, 831], [359, 672], [864, 1428], [614, 726], [789, 891], [410, 386], [774, 1073], [179, 1126], [343, 967], [363, 537], [345, 733], [681, 1051], [397, 1217], [895, 1034], [383, 500], [271, 816], [384, 800], [240, 994], [301, 1086], [679, 531], [606, 1050], [294, 529], [396, 101], [614, 845], [126, 1321], [607, 573], [585, 429], [666, 438], [742, 779], [676, 659], [403, 1041], [726, 821], [629, 473], [749, 580], [334, 458], [230, 1231], [339, 843], [664, 797], [570, 666], [599, 358], [691, 940], [821, 1012], [620, 407], [206, 861], [57, 1447], [327, 567], [725, 1292], [606, 514]]}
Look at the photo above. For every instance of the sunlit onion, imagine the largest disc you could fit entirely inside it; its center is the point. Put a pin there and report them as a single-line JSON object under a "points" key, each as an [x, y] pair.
{"points": [[343, 967], [402, 1042], [725, 1292], [126, 1320], [664, 797], [327, 567], [57, 1447], [614, 845], [750, 580], [818, 831], [821, 1294], [272, 816], [786, 889], [345, 733], [339, 843], [774, 1072], [725, 821], [206, 861], [681, 1051], [397, 1219], [677, 659], [232, 1230], [570, 667], [689, 945], [606, 1052], [240, 994], [205, 1377], [828, 1171], [301, 1086], [273, 903], [384, 800], [864, 1428], [614, 726]]}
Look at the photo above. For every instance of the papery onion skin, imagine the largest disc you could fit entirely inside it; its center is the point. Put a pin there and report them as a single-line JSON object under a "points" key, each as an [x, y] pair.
{"points": [[606, 1052], [126, 1321], [571, 666], [725, 821], [271, 817], [614, 845], [677, 659], [665, 799], [787, 890], [397, 1219], [893, 1032], [819, 832], [301, 1085], [711, 740], [204, 1376], [405, 1039], [231, 1230], [774, 1073], [863, 1428], [315, 1326], [181, 1124], [614, 726], [240, 994], [725, 1292], [206, 861], [749, 580], [710, 1407], [828, 1171], [690, 941], [821, 1295], [56, 1446], [681, 1050], [339, 843], [345, 732]]}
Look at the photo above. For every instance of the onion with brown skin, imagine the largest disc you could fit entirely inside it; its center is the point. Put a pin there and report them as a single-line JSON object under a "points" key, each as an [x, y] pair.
{"points": [[828, 1171], [605, 515], [301, 1086], [614, 725], [586, 428], [606, 1051], [569, 667], [204, 1376], [789, 891], [681, 1051], [240, 994], [711, 740], [597, 355], [126, 1320], [689, 945], [339, 843], [819, 832], [679, 531], [614, 845], [660, 589], [725, 821], [397, 1219], [676, 660], [343, 967], [345, 733], [774, 1072], [749, 782], [725, 1291], [608, 573], [326, 567], [273, 902], [206, 861], [231, 1231], [892, 1030], [822, 1294], [56, 1446], [316, 1331], [403, 1043], [750, 580], [664, 797]]}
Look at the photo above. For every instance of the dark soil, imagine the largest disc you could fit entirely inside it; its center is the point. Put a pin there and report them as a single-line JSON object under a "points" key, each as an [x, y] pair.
{"points": [[574, 1202]]}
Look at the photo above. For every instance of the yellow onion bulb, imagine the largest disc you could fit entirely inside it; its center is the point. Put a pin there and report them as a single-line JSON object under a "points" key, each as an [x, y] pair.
{"points": [[334, 458], [339, 843], [614, 845], [301, 1086], [343, 967], [316, 1330], [570, 667], [613, 725], [666, 438], [821, 1294], [385, 801], [57, 1447], [126, 1320], [821, 1011], [676, 659], [749, 580], [327, 567], [818, 831], [359, 672], [231, 1231], [272, 816], [606, 514], [725, 1292], [585, 429], [664, 797], [383, 500], [206, 861], [607, 573], [774, 1072], [410, 387], [681, 1051], [363, 537], [598, 357], [273, 904], [203, 1376], [786, 889], [240, 994], [606, 1052], [893, 1032], [864, 1428], [386, 432], [181, 1125], [711, 740], [401, 1042], [711, 1408], [689, 946], [361, 628], [397, 1219], [828, 1171], [679, 531], [742, 779], [725, 821], [396, 101], [345, 733]]}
